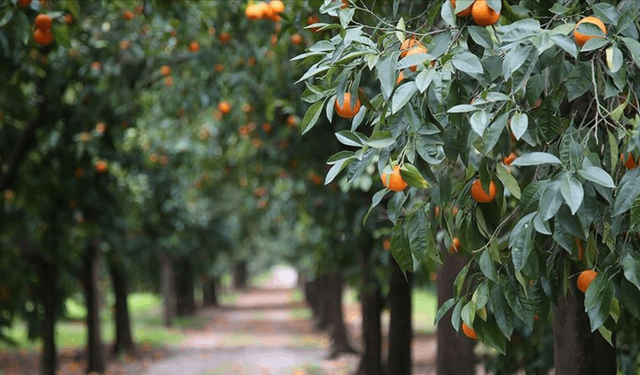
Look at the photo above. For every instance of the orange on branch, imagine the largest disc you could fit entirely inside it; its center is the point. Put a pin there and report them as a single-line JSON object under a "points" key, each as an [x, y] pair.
{"points": [[585, 279], [463, 13], [194, 46], [455, 245], [68, 18], [346, 110], [42, 37], [630, 163], [408, 44], [396, 182], [165, 70], [580, 38], [225, 37], [24, 3], [101, 166], [469, 332], [510, 158], [482, 14], [128, 15], [480, 195], [276, 6], [415, 51], [224, 107], [296, 39], [43, 22]]}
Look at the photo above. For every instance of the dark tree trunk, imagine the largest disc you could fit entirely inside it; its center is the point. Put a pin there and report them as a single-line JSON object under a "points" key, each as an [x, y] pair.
{"points": [[95, 351], [209, 292], [240, 275], [124, 341], [455, 352], [577, 350], [49, 285], [168, 288], [185, 293], [323, 304], [340, 342], [311, 295], [400, 330], [371, 303]]}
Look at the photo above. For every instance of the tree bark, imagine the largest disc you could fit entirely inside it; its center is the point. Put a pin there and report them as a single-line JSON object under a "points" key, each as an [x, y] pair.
{"points": [[185, 293], [322, 303], [340, 342], [49, 290], [400, 329], [455, 351], [240, 275], [371, 304], [95, 351], [209, 292], [124, 340], [577, 350], [167, 287], [311, 295]]}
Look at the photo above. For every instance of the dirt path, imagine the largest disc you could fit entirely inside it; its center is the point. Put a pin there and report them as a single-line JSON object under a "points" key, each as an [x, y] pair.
{"points": [[263, 332]]}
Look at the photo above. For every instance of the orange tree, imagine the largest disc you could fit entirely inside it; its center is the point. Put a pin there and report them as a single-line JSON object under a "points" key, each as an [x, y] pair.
{"points": [[452, 101]]}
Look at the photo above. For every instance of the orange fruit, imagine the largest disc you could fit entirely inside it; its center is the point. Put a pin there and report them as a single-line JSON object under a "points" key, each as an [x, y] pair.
{"points": [[218, 68], [313, 19], [580, 249], [316, 180], [396, 182], [100, 127], [580, 38], [225, 37], [264, 10], [346, 4], [165, 70], [585, 279], [153, 158], [346, 110], [266, 127], [454, 210], [630, 163], [43, 22], [469, 332], [96, 65], [79, 173], [125, 44], [386, 244], [253, 12], [296, 39], [480, 195], [510, 158], [24, 3], [276, 6], [292, 121], [42, 37], [455, 245], [247, 108], [85, 137], [415, 51], [408, 44], [436, 210], [463, 13], [482, 14], [128, 15], [400, 78], [194, 46], [101, 166], [68, 18], [168, 81], [224, 107]]}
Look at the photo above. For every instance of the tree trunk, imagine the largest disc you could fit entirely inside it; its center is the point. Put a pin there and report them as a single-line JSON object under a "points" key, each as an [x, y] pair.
{"points": [[340, 342], [124, 341], [322, 303], [209, 292], [455, 351], [311, 295], [240, 275], [577, 350], [95, 351], [185, 293], [371, 303], [400, 330], [168, 290], [49, 290]]}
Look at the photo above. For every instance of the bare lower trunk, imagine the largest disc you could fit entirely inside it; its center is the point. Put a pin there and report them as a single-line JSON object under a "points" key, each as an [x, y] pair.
{"points": [[311, 295], [95, 351], [323, 303], [340, 342], [49, 361], [240, 275], [185, 293], [371, 303], [400, 330], [455, 352], [209, 292], [124, 341], [167, 287], [577, 350]]}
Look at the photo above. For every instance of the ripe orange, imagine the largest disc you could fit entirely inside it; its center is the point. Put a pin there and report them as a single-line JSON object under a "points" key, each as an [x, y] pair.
{"points": [[153, 158], [101, 127], [266, 127], [463, 13], [313, 19], [396, 182], [296, 39], [194, 46], [346, 110], [292, 121], [469, 332], [580, 38], [96, 65], [436, 210], [218, 68], [510, 158], [585, 279], [85, 137], [455, 245], [124, 45], [168, 81], [415, 51], [225, 37], [480, 195], [346, 4], [24, 3], [247, 108], [482, 14], [276, 6], [630, 163], [400, 78], [165, 70], [42, 37], [43, 22], [454, 210], [101, 166], [68, 18], [580, 249], [408, 44], [386, 244], [128, 15], [252, 12], [224, 107], [316, 180]]}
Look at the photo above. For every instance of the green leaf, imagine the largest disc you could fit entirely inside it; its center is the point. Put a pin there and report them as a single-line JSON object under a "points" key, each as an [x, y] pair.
{"points": [[424, 79], [479, 121], [468, 63], [614, 58], [573, 193], [463, 108], [459, 281], [442, 310], [565, 43], [400, 249], [597, 175], [341, 155], [336, 169], [508, 180], [311, 116], [349, 138], [480, 35], [481, 295], [380, 139], [377, 198], [387, 75], [630, 263], [489, 334], [628, 191], [521, 241], [515, 58], [519, 124], [536, 158], [418, 231], [403, 94], [7, 17], [455, 315], [468, 313], [594, 44], [501, 311], [486, 265], [550, 201], [578, 81], [598, 299], [413, 177], [634, 48]]}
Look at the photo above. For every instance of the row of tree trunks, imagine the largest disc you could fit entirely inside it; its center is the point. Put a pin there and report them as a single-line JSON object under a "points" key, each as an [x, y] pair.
{"points": [[240, 275], [400, 327], [209, 292], [124, 340]]}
